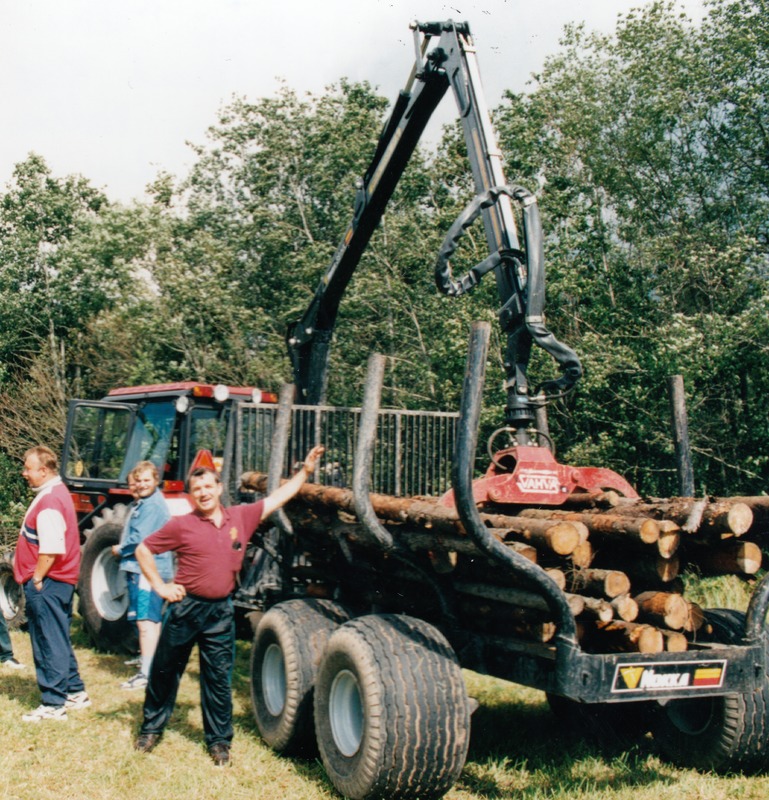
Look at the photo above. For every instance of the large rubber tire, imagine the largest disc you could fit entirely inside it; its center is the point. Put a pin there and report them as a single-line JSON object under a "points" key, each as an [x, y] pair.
{"points": [[391, 710], [102, 587], [724, 734], [11, 597], [288, 644]]}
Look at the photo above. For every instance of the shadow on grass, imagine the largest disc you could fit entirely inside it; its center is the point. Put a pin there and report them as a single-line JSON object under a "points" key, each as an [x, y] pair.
{"points": [[520, 749], [21, 686]]}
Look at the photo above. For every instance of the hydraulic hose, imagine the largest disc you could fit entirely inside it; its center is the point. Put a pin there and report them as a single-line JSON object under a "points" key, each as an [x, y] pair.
{"points": [[525, 571]]}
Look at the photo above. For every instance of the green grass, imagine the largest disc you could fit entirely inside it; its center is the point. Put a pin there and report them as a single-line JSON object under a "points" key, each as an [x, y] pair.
{"points": [[723, 591], [518, 749]]}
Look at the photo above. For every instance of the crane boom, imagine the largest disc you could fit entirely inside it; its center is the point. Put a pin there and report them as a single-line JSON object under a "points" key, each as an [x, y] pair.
{"points": [[444, 57]]}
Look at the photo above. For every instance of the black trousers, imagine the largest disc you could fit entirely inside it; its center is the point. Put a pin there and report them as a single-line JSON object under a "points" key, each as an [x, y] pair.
{"points": [[211, 625]]}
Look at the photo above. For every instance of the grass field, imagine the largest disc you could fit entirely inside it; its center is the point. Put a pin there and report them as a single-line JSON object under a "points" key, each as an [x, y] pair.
{"points": [[518, 749]]}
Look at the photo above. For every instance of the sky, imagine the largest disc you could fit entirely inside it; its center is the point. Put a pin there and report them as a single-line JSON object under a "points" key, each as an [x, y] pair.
{"points": [[115, 89]]}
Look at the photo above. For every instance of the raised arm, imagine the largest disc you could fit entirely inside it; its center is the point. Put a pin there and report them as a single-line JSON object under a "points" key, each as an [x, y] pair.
{"points": [[284, 493]]}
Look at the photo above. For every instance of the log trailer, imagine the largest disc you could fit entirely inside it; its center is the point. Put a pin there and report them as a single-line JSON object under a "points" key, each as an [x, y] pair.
{"points": [[394, 568]]}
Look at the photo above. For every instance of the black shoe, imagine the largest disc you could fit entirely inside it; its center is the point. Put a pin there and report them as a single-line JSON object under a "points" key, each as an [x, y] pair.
{"points": [[220, 752], [145, 742]]}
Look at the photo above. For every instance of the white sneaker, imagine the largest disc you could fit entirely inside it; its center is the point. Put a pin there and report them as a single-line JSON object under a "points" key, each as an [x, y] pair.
{"points": [[138, 681], [44, 713], [77, 701], [135, 661], [12, 663]]}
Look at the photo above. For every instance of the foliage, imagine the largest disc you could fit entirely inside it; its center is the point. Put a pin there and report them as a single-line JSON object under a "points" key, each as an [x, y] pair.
{"points": [[646, 148], [45, 289], [657, 248], [33, 410], [13, 500], [275, 187]]}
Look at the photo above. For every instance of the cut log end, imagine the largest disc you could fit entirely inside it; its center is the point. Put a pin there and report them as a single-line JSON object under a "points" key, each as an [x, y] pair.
{"points": [[563, 538]]}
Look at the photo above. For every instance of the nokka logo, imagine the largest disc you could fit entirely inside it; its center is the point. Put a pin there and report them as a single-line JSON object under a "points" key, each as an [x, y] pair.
{"points": [[647, 678], [653, 680]]}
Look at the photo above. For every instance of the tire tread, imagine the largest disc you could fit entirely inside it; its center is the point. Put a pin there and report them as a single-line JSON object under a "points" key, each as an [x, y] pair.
{"points": [[417, 719]]}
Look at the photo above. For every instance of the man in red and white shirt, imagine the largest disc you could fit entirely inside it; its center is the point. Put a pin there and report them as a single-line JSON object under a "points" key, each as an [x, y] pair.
{"points": [[47, 563]]}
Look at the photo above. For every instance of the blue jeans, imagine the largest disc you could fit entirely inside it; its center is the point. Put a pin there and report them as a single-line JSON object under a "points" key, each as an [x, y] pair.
{"points": [[49, 614]]}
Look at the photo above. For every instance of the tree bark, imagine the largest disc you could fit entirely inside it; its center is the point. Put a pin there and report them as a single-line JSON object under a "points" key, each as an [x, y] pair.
{"points": [[729, 557], [603, 524], [728, 516], [625, 637]]}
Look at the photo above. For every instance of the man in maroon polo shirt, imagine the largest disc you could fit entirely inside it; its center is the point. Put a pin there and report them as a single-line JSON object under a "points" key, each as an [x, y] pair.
{"points": [[210, 544]]}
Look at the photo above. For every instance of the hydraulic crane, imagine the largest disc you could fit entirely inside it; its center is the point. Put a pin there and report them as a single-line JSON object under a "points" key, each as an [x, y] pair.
{"points": [[524, 471]]}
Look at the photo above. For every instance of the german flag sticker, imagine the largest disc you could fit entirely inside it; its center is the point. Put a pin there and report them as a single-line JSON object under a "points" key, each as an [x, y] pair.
{"points": [[708, 676]]}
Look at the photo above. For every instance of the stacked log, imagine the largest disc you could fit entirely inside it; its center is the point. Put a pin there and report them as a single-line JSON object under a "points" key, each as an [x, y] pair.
{"points": [[620, 636], [703, 519], [617, 560], [625, 608], [608, 583], [732, 557], [665, 609]]}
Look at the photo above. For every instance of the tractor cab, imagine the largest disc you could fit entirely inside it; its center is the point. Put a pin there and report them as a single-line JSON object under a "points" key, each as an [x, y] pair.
{"points": [[170, 425]]}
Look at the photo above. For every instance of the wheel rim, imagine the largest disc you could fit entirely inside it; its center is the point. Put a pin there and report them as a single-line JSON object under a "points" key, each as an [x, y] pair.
{"points": [[274, 680], [10, 596], [346, 713], [108, 587], [690, 716]]}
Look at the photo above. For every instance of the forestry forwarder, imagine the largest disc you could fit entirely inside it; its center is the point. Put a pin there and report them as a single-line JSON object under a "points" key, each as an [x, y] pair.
{"points": [[412, 595], [371, 601]]}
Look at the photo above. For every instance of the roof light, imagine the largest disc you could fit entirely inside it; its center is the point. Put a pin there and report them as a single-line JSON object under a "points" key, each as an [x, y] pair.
{"points": [[256, 396], [182, 404], [221, 392]]}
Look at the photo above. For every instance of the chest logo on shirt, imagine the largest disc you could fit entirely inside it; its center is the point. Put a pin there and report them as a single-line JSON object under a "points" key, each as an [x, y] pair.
{"points": [[233, 535]]}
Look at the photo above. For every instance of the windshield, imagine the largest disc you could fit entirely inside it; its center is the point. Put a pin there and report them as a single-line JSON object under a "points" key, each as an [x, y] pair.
{"points": [[208, 431], [97, 442], [103, 444], [151, 436]]}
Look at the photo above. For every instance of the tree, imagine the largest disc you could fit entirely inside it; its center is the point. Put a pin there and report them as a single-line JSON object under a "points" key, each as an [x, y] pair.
{"points": [[651, 163], [275, 189], [38, 216]]}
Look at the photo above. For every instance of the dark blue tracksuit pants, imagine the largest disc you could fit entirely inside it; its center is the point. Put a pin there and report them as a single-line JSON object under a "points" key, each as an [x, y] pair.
{"points": [[211, 625], [49, 615]]}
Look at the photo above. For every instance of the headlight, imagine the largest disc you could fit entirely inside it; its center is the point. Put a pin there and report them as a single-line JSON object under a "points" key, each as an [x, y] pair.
{"points": [[221, 393]]}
